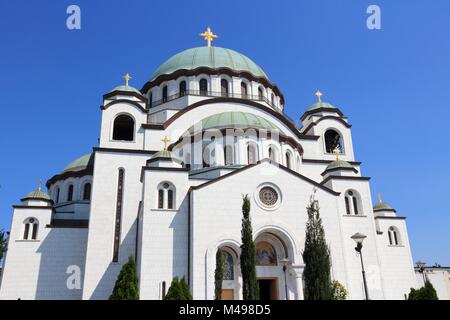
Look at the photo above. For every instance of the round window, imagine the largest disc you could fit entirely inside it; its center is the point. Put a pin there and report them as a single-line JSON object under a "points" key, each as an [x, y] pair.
{"points": [[268, 196]]}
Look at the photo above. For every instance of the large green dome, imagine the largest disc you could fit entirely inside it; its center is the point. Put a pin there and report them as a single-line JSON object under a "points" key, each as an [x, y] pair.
{"points": [[81, 163], [211, 57]]}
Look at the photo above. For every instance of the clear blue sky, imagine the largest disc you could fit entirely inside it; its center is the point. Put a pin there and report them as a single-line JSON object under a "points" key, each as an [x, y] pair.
{"points": [[393, 84]]}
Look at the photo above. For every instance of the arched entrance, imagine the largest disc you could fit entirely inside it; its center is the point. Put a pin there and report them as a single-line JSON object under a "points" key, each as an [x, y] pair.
{"points": [[274, 259]]}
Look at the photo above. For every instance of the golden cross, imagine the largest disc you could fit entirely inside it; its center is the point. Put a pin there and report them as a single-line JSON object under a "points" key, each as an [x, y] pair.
{"points": [[166, 140], [127, 78], [380, 201], [319, 95], [208, 36], [336, 152], [40, 184]]}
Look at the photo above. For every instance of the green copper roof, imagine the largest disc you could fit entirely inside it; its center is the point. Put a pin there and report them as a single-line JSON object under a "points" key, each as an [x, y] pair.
{"points": [[382, 207], [80, 163], [162, 154], [37, 194], [211, 57], [126, 88], [235, 120], [319, 105], [339, 164]]}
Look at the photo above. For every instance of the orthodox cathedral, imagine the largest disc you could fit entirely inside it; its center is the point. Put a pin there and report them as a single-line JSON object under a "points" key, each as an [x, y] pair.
{"points": [[165, 187]]}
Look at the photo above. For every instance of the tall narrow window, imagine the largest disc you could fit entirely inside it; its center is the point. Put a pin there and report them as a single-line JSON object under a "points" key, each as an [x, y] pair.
{"points": [[394, 236], [332, 141], [272, 99], [70, 193], [251, 154], [229, 157], [288, 160], [34, 231], [347, 205], [182, 88], [260, 94], [150, 100], [224, 88], [123, 128], [170, 199], [272, 154], [160, 199], [164, 94], [30, 230], [352, 202], [87, 191], [355, 205], [203, 87], [118, 217], [26, 231], [244, 92], [57, 195]]}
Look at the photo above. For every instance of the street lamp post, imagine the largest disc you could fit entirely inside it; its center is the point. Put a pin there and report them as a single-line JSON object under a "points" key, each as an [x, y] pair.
{"points": [[359, 238], [421, 266], [285, 262]]}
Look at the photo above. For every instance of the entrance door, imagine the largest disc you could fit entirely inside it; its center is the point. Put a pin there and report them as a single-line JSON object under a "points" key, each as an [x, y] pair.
{"points": [[268, 289], [227, 294]]}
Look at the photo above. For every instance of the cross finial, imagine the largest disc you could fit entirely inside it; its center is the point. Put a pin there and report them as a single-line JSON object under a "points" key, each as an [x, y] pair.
{"points": [[208, 36], [319, 95], [336, 151], [166, 140], [40, 184], [380, 201], [127, 78]]}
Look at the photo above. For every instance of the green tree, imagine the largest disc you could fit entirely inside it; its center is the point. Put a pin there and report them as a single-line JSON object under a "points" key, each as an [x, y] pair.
{"points": [[126, 287], [338, 291], [250, 288], [316, 257], [3, 243], [218, 275], [179, 290], [427, 292]]}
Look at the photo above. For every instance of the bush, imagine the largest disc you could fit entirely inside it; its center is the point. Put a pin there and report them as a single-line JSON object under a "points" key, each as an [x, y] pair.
{"points": [[338, 291], [427, 292], [126, 287], [179, 290]]}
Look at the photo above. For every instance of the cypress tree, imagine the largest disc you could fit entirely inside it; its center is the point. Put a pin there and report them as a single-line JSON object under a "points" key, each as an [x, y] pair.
{"points": [[179, 290], [186, 291], [250, 288], [427, 292], [316, 257], [126, 287], [218, 275], [3, 243]]}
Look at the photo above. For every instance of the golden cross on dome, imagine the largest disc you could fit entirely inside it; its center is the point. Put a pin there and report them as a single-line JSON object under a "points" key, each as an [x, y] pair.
{"points": [[127, 78], [40, 184], [319, 95], [166, 140], [380, 201], [208, 36], [336, 152]]}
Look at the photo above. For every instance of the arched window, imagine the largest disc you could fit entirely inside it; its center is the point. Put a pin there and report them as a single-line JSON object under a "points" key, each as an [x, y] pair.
{"points": [[228, 267], [166, 190], [272, 99], [244, 92], [87, 191], [203, 84], [333, 140], [352, 205], [182, 88], [260, 94], [272, 154], [224, 88], [57, 194], [288, 160], [160, 199], [228, 155], [123, 128], [252, 153], [150, 100], [70, 193], [31, 226], [265, 254], [298, 163], [394, 236], [164, 94]]}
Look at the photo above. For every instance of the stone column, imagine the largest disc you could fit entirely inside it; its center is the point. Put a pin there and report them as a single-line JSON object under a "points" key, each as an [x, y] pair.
{"points": [[297, 272]]}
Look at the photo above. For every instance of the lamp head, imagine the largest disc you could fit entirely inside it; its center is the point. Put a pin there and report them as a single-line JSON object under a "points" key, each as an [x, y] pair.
{"points": [[358, 238], [420, 264]]}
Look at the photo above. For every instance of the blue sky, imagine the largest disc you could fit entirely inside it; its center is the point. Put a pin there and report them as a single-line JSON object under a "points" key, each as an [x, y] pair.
{"points": [[393, 84]]}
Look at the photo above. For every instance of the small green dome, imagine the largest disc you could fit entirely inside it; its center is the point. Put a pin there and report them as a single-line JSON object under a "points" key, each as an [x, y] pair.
{"points": [[382, 207], [38, 195], [235, 119], [211, 57], [80, 163], [339, 164], [126, 88], [162, 154], [321, 104]]}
